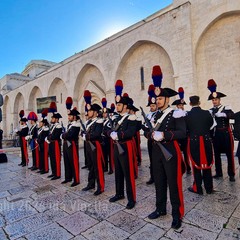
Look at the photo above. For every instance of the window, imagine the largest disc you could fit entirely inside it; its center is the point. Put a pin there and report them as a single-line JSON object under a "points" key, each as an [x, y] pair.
{"points": [[142, 78]]}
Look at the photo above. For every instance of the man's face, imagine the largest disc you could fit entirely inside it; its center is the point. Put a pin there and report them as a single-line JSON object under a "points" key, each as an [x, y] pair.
{"points": [[153, 107], [119, 107], [40, 124], [104, 115], [90, 114], [32, 122], [162, 102], [131, 111], [70, 118], [22, 123], [180, 106], [216, 102], [53, 120]]}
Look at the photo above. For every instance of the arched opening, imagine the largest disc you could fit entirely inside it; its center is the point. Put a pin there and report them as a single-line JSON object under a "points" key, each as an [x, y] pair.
{"points": [[32, 104], [59, 89], [135, 70], [18, 106], [92, 79], [217, 57]]}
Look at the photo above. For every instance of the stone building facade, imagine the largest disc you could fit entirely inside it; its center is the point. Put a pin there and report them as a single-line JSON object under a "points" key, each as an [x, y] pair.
{"points": [[192, 41]]}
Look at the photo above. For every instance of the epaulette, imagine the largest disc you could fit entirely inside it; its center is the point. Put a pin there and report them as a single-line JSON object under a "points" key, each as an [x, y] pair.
{"points": [[179, 113], [100, 121], [46, 129], [76, 124], [59, 126], [132, 117], [227, 107]]}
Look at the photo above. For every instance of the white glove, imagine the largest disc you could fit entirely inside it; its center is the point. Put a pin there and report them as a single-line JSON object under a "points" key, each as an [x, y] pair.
{"points": [[30, 136], [220, 114], [114, 135], [46, 140], [84, 137], [27, 137], [15, 130], [157, 136]]}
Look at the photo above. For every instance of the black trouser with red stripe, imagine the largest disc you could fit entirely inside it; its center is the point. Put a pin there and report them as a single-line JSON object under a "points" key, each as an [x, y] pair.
{"points": [[183, 147], [124, 168], [86, 161], [223, 143], [204, 175], [55, 157], [138, 146], [95, 167], [168, 173], [106, 152], [43, 156], [149, 145], [24, 152], [34, 154], [71, 161]]}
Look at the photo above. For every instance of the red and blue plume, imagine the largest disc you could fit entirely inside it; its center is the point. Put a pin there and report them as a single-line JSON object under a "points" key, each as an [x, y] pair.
{"points": [[104, 102], [181, 93], [212, 86], [52, 107], [151, 89], [69, 102], [44, 113], [125, 95], [21, 113], [32, 116], [118, 87], [112, 107], [87, 96], [157, 76]]}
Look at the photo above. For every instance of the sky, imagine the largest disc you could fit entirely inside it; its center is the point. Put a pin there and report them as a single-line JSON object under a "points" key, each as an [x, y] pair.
{"points": [[54, 30]]}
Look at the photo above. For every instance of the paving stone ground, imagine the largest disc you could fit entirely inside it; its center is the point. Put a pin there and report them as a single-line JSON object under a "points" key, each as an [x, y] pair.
{"points": [[34, 207]]}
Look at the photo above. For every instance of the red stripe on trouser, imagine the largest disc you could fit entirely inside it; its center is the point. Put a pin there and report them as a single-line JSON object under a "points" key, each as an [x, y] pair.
{"points": [[111, 154], [45, 155], [25, 149], [179, 178], [58, 159], [100, 160], [139, 146], [37, 153], [75, 162], [203, 158], [232, 149], [134, 144], [130, 145]]}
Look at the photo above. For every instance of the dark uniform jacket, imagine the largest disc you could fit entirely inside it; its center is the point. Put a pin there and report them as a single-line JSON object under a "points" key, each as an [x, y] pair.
{"points": [[199, 123]]}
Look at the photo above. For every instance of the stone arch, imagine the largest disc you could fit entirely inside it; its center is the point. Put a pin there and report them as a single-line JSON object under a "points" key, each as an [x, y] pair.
{"points": [[6, 118], [18, 106], [97, 95], [58, 88], [91, 78], [143, 54], [217, 57], [32, 103]]}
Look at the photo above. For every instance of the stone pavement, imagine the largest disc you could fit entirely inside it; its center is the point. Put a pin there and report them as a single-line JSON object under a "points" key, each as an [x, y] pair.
{"points": [[33, 207]]}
